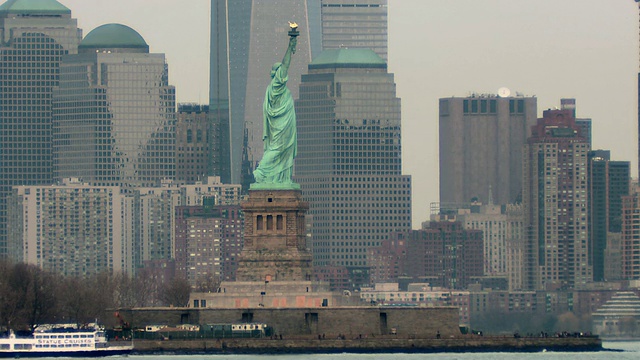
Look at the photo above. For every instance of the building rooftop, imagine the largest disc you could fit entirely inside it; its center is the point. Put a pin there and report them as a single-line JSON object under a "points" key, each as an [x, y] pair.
{"points": [[113, 36], [349, 58], [32, 7]]}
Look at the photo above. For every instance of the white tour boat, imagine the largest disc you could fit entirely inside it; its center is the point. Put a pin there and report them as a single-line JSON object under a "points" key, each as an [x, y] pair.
{"points": [[61, 342]]}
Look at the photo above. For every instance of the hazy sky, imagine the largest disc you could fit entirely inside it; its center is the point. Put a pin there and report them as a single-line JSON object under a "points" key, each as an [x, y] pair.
{"points": [[583, 49]]}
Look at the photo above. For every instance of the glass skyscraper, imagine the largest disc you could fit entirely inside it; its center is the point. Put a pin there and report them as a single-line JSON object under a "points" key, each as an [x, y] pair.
{"points": [[355, 24], [349, 157], [35, 36], [114, 112]]}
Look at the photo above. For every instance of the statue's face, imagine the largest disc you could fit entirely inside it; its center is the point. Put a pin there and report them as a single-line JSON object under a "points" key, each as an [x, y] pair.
{"points": [[274, 68]]}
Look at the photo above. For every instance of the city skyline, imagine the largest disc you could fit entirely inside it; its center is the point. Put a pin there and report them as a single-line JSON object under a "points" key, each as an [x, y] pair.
{"points": [[547, 49]]}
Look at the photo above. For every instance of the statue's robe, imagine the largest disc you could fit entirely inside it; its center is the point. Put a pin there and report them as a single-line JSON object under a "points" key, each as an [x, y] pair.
{"points": [[280, 139]]}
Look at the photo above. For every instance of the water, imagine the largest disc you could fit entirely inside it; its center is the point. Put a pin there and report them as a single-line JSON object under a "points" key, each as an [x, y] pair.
{"points": [[630, 350]]}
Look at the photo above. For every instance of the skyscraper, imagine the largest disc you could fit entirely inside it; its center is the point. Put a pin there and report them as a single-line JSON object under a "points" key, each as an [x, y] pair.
{"points": [[35, 34], [354, 24], [247, 38], [481, 139], [192, 147], [349, 157], [555, 203], [114, 112], [630, 244], [609, 181]]}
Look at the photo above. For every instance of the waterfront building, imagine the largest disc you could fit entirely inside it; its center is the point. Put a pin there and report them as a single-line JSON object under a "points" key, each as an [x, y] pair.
{"points": [[618, 317], [73, 228], [114, 112], [609, 181], [349, 158], [192, 146], [417, 294], [481, 140], [243, 49], [555, 200], [353, 24], [35, 36]]}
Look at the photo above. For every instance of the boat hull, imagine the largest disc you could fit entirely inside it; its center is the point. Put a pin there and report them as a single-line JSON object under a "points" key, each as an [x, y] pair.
{"points": [[66, 354]]}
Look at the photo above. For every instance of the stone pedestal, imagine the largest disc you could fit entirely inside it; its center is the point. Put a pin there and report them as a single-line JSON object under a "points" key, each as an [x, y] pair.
{"points": [[274, 237]]}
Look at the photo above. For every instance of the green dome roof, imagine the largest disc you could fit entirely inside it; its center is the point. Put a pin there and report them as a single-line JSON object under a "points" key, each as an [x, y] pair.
{"points": [[111, 36], [358, 58], [39, 7]]}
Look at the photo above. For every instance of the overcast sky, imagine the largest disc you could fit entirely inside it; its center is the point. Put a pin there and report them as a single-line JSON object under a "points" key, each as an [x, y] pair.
{"points": [[583, 49]]}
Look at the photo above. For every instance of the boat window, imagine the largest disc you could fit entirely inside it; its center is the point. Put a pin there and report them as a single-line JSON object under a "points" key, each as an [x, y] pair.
{"points": [[83, 336], [4, 347], [90, 336], [54, 346], [76, 336], [68, 336]]}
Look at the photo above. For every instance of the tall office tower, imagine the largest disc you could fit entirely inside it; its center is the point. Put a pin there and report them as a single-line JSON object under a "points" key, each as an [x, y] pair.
{"points": [[630, 246], [555, 201], [349, 157], [35, 35], [192, 147], [114, 112], [608, 182], [247, 38], [72, 229], [584, 124], [355, 24], [481, 140], [445, 253], [207, 244]]}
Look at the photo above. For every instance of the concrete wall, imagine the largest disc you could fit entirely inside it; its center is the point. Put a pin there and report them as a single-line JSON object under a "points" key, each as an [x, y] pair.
{"points": [[350, 321]]}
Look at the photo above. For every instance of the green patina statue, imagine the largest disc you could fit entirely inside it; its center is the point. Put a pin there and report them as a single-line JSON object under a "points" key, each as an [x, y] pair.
{"points": [[280, 138]]}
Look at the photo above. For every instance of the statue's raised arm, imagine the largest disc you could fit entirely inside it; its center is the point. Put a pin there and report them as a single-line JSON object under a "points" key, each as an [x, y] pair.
{"points": [[280, 138]]}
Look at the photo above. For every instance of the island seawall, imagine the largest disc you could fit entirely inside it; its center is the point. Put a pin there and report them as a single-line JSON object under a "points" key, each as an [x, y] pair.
{"points": [[469, 343]]}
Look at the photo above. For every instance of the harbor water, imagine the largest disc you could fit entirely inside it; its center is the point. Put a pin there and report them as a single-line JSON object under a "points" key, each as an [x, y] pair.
{"points": [[614, 350]]}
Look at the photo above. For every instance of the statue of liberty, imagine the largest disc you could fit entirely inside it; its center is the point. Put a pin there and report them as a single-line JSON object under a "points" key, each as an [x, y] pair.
{"points": [[280, 137]]}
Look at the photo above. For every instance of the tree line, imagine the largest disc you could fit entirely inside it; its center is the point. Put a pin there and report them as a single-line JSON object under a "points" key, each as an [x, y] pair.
{"points": [[30, 296]]}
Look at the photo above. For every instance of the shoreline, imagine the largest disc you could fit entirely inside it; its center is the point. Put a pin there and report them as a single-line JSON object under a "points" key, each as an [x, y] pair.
{"points": [[377, 345]]}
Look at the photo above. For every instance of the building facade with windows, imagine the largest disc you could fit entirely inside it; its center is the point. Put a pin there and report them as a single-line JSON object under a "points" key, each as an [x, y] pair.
{"points": [[114, 112], [73, 229], [481, 140], [609, 182], [349, 157], [555, 189], [355, 24], [35, 35], [192, 146]]}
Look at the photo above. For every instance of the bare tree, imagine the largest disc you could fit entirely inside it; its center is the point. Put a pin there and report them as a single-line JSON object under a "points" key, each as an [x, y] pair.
{"points": [[175, 293]]}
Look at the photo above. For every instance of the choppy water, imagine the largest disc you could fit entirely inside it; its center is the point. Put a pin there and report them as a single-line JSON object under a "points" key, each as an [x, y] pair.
{"points": [[628, 350]]}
